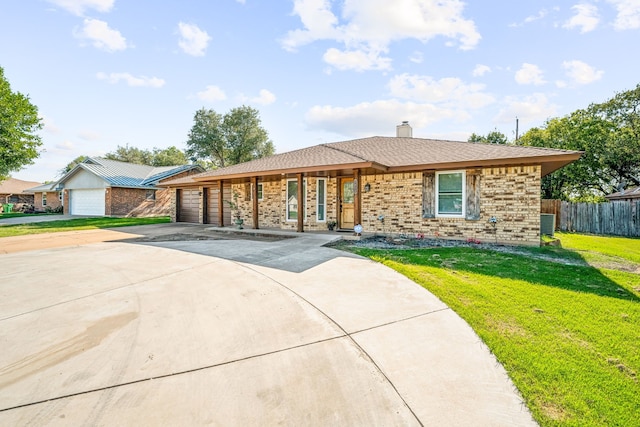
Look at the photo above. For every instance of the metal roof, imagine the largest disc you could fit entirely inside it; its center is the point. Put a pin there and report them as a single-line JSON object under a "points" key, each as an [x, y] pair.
{"points": [[122, 174]]}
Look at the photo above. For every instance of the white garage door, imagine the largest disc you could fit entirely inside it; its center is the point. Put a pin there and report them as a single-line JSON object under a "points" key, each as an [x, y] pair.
{"points": [[87, 202]]}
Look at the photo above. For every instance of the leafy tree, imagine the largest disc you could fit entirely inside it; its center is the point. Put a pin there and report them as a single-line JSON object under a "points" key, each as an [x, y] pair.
{"points": [[171, 156], [72, 164], [236, 137], [18, 123], [609, 135], [130, 155], [493, 137]]}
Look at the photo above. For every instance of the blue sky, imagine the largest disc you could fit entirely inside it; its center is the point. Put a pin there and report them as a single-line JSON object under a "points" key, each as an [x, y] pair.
{"points": [[105, 73]]}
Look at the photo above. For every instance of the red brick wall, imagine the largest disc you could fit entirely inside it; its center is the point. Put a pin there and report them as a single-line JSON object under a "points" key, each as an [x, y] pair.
{"points": [[53, 201], [133, 202]]}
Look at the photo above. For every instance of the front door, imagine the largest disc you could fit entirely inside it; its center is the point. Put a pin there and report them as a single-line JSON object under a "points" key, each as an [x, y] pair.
{"points": [[346, 203]]}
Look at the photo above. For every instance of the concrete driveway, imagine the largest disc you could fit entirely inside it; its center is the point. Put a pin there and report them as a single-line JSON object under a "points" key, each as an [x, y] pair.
{"points": [[146, 330]]}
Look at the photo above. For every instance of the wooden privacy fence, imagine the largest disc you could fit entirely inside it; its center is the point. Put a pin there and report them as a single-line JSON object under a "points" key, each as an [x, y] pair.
{"points": [[618, 218]]}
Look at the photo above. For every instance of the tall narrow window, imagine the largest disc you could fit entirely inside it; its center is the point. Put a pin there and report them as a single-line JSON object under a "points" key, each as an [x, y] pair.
{"points": [[292, 199], [44, 199], [450, 193], [321, 202]]}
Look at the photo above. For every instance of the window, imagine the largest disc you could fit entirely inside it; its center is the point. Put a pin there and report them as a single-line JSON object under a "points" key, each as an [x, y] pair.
{"points": [[321, 202], [450, 194], [13, 199], [259, 192], [151, 194], [44, 199], [292, 198]]}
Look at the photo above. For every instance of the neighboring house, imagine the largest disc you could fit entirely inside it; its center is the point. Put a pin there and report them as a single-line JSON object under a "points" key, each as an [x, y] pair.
{"points": [[632, 193], [46, 197], [399, 185], [16, 191], [101, 187]]}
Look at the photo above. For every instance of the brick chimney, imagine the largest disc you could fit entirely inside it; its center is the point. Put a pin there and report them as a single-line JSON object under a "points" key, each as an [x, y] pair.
{"points": [[404, 130]]}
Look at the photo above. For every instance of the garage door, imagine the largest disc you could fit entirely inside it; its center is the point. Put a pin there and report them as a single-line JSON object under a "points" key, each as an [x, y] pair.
{"points": [[213, 208], [87, 202], [188, 205]]}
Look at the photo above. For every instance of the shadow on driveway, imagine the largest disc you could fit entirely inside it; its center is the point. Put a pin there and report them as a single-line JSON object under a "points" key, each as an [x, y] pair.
{"points": [[292, 252]]}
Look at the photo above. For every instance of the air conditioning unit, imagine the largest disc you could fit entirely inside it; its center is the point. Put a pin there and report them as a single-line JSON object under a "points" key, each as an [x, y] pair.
{"points": [[547, 224]]}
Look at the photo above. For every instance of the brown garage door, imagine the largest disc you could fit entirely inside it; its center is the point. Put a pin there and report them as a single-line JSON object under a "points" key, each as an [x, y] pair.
{"points": [[188, 205], [213, 206]]}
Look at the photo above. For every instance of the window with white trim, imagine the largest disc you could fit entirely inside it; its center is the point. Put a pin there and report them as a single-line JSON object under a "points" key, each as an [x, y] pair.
{"points": [[450, 194], [321, 200], [292, 199], [44, 199], [259, 192]]}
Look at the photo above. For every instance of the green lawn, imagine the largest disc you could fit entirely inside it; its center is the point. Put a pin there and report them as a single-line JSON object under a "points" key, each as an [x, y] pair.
{"points": [[76, 224], [569, 335]]}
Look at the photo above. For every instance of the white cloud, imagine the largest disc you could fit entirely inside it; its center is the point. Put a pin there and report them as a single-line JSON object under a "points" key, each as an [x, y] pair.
{"points": [[416, 57], [65, 145], [49, 125], [447, 91], [531, 18], [101, 35], [265, 98], [530, 109], [377, 117], [78, 7], [193, 41], [586, 18], [357, 60], [529, 74], [481, 70], [369, 26], [628, 14], [212, 94], [88, 135], [581, 73], [141, 81]]}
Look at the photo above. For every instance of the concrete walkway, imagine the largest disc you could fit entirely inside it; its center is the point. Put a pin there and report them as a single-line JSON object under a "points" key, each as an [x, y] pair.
{"points": [[201, 332]]}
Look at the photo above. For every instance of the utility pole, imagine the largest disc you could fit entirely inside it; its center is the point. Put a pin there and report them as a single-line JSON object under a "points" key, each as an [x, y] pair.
{"points": [[516, 128]]}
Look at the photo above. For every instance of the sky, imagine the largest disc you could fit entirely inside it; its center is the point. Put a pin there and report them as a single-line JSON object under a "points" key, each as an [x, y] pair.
{"points": [[109, 73]]}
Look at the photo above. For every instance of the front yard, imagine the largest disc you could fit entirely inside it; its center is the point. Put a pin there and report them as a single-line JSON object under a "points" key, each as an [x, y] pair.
{"points": [[76, 224], [564, 322]]}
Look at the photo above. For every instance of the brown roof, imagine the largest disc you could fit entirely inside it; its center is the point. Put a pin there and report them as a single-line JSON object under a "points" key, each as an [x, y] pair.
{"points": [[629, 193], [391, 154], [16, 186]]}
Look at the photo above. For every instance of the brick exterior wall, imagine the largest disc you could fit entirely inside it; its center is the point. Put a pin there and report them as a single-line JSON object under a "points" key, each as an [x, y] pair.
{"points": [[511, 194], [53, 201], [133, 202]]}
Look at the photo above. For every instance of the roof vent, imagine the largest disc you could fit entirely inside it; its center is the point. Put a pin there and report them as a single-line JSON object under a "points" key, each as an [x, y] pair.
{"points": [[404, 130]]}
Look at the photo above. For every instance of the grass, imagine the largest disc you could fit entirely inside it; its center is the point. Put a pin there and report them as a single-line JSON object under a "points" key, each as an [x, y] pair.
{"points": [[567, 334], [76, 224], [19, 214]]}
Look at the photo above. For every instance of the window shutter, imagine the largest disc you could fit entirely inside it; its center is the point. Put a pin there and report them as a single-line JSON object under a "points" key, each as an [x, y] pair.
{"points": [[473, 194], [428, 194]]}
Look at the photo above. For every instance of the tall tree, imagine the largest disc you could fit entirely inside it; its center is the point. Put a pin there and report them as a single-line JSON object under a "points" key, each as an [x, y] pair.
{"points": [[493, 137], [236, 137], [130, 155], [171, 156], [609, 135], [72, 164], [18, 123]]}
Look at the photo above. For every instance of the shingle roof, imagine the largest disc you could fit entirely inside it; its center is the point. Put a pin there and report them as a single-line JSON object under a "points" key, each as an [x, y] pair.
{"points": [[122, 174], [392, 154], [16, 186], [629, 193]]}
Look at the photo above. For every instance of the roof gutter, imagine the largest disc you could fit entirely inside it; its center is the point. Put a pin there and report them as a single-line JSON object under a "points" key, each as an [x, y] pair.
{"points": [[320, 168]]}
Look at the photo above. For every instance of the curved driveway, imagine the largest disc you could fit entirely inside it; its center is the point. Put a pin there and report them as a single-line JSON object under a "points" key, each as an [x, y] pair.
{"points": [[143, 330]]}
